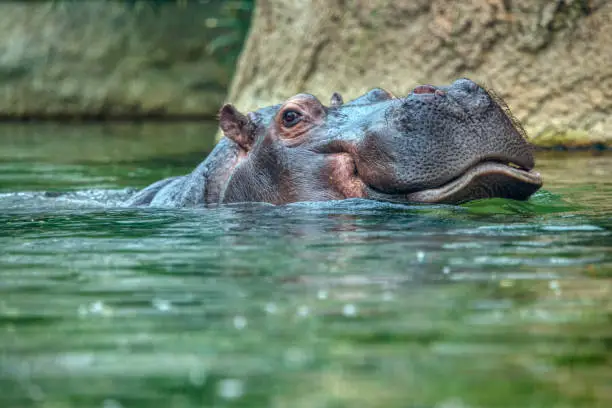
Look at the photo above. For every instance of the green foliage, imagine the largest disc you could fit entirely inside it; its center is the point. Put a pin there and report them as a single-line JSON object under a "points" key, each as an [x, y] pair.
{"points": [[231, 27], [229, 23]]}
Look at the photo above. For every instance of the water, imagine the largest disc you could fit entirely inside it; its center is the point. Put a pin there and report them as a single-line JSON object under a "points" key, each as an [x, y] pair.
{"points": [[492, 304]]}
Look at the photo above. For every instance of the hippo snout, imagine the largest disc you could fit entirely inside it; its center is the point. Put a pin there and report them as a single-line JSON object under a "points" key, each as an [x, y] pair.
{"points": [[440, 134]]}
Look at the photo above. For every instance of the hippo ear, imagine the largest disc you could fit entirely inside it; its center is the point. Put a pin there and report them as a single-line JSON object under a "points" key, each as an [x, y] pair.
{"points": [[336, 99], [235, 126]]}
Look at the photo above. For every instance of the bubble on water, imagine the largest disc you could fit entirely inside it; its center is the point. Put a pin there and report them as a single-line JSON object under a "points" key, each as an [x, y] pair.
{"points": [[75, 361], [240, 322], [271, 308], [161, 305], [197, 376], [554, 286], [111, 403], [322, 294], [96, 308], [496, 315], [446, 270], [230, 388], [295, 356], [420, 256], [349, 310], [303, 311], [211, 22]]}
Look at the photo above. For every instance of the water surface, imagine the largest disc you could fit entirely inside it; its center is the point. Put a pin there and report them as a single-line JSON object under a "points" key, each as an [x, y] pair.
{"points": [[492, 304]]}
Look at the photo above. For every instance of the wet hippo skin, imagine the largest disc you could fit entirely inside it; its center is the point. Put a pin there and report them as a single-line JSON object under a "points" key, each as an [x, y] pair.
{"points": [[447, 144]]}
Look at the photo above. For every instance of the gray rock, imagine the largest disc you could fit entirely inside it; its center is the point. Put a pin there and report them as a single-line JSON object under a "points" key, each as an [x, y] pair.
{"points": [[107, 58]]}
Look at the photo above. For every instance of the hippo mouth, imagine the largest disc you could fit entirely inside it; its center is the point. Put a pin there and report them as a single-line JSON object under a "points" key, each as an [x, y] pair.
{"points": [[486, 179]]}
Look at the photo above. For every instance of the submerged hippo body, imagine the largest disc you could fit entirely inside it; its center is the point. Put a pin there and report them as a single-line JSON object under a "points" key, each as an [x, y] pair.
{"points": [[437, 145]]}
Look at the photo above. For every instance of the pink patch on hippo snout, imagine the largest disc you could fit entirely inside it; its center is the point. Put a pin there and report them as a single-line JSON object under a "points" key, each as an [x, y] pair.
{"points": [[424, 89], [342, 176]]}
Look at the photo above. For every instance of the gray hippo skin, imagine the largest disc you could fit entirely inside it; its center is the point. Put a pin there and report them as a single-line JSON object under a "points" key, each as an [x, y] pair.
{"points": [[437, 145]]}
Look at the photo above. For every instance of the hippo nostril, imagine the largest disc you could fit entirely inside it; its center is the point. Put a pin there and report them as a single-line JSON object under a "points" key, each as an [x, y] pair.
{"points": [[424, 89], [466, 85], [440, 92]]}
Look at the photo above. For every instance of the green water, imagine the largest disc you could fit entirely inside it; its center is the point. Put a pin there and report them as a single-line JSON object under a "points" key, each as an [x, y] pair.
{"points": [[493, 304]]}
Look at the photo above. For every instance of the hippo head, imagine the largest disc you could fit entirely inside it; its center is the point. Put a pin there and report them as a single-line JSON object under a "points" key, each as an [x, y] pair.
{"points": [[437, 145]]}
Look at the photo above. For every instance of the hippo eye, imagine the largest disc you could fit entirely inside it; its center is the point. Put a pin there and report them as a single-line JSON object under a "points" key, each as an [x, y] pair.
{"points": [[291, 118]]}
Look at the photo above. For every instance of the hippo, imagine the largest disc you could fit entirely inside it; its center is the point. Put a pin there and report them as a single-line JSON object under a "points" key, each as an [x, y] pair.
{"points": [[439, 144]]}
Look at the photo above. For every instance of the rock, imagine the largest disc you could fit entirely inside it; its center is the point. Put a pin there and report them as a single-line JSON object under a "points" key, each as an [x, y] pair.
{"points": [[109, 59]]}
